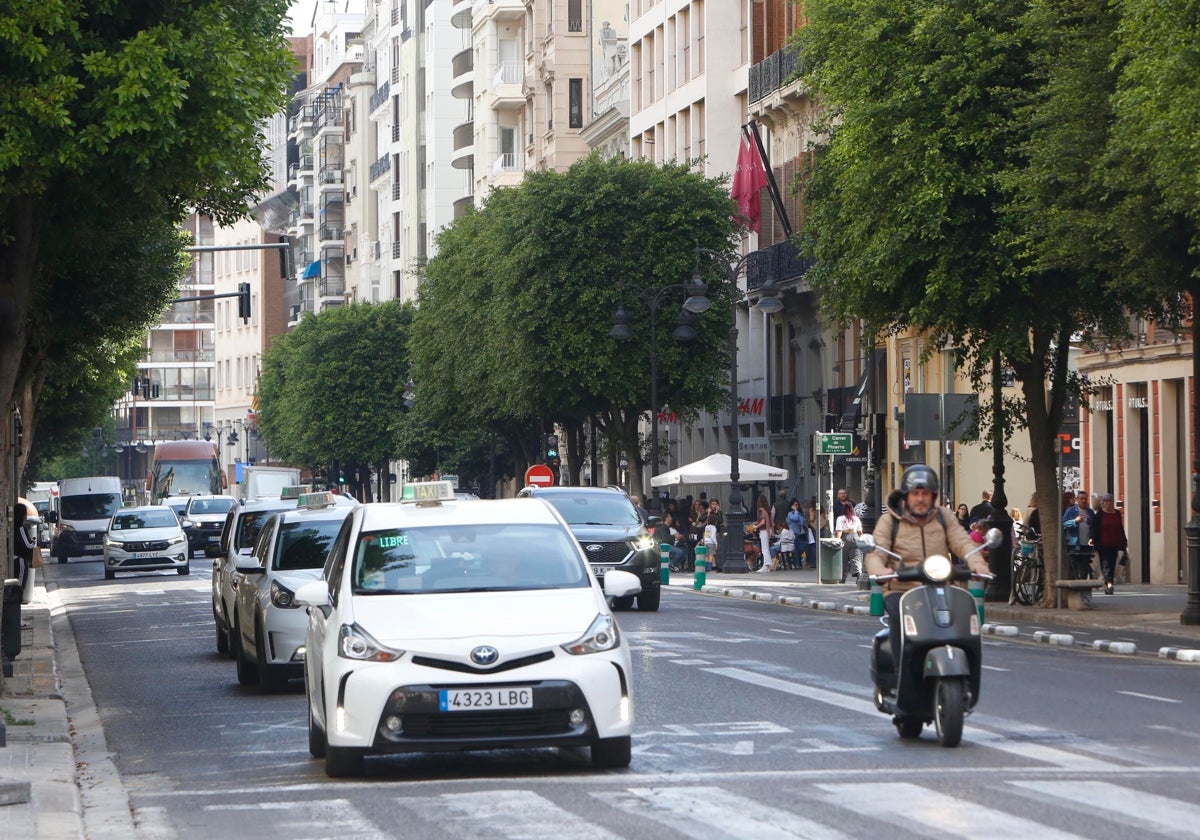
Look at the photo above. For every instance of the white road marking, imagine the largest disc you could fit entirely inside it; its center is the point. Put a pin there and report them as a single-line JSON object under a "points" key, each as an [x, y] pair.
{"points": [[502, 813], [786, 632], [994, 668], [1126, 805], [931, 812], [1150, 697], [707, 812], [313, 819]]}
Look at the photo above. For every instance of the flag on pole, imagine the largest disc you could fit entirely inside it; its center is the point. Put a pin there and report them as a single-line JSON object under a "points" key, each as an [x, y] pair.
{"points": [[748, 180]]}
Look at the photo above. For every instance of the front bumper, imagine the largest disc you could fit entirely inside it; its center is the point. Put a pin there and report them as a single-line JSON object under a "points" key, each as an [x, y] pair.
{"points": [[394, 707], [285, 629], [116, 560]]}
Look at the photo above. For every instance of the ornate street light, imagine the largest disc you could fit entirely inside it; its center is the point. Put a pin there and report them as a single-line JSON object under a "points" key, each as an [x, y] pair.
{"points": [[729, 266], [695, 302]]}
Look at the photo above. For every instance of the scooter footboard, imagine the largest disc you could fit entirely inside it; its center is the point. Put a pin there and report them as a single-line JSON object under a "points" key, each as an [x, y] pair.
{"points": [[947, 661]]}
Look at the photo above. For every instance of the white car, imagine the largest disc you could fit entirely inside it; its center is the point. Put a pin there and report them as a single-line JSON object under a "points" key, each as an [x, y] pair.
{"points": [[451, 625], [142, 539], [268, 629]]}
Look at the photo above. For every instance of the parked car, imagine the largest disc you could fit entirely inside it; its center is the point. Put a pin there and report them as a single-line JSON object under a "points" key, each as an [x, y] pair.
{"points": [[142, 539], [268, 628], [445, 624], [613, 536], [202, 520]]}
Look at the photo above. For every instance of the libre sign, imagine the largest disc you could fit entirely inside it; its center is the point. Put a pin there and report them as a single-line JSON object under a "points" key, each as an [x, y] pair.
{"points": [[539, 475], [835, 444]]}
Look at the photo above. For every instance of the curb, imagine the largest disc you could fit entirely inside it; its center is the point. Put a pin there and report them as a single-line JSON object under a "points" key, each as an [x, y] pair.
{"points": [[1001, 629], [1061, 639], [1125, 648], [1180, 654]]}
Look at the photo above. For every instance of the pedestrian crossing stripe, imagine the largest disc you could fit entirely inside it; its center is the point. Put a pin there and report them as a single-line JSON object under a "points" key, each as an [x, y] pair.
{"points": [[1128, 805]]}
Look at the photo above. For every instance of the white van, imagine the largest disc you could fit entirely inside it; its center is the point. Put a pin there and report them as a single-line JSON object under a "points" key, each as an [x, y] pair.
{"points": [[81, 513]]}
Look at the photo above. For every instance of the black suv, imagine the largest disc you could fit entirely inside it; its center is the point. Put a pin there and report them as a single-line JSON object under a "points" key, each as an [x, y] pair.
{"points": [[612, 535]]}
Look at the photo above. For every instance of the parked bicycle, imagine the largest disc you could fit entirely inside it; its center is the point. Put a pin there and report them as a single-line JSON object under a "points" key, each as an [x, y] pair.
{"points": [[1029, 568]]}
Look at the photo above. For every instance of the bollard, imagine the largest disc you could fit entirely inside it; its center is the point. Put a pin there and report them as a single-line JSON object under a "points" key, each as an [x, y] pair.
{"points": [[664, 565], [876, 597], [701, 568], [976, 587]]}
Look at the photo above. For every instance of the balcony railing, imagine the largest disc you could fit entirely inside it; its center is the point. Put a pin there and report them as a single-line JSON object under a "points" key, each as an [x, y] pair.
{"points": [[203, 355], [506, 162], [773, 72], [380, 95], [397, 250], [397, 191], [333, 174], [331, 233], [509, 73], [781, 263], [379, 168]]}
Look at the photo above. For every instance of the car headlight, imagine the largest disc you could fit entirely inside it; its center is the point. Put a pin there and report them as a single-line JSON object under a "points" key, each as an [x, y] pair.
{"points": [[283, 597], [643, 543], [177, 540], [601, 636], [356, 643], [109, 542], [938, 567]]}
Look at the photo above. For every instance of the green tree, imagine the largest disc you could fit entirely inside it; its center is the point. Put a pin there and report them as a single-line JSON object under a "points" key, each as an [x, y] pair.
{"points": [[960, 191], [333, 388], [539, 271], [118, 115]]}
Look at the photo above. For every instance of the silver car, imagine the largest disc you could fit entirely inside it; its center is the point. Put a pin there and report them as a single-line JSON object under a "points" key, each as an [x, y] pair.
{"points": [[143, 539]]}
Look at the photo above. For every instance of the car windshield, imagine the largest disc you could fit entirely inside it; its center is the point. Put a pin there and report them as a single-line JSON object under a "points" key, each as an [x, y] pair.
{"points": [[211, 505], [89, 506], [303, 545], [133, 520], [178, 507], [595, 508], [466, 558], [249, 524]]}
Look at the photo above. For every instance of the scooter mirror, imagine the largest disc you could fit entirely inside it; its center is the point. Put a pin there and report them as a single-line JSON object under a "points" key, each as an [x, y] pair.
{"points": [[993, 538], [866, 543]]}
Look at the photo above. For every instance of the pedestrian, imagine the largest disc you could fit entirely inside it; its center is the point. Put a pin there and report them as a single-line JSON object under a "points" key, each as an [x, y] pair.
{"points": [[10, 610], [799, 529], [665, 534], [1110, 539], [1015, 515], [642, 512], [963, 515], [1033, 522], [763, 529], [1077, 530], [787, 545], [711, 539], [811, 550], [849, 529], [984, 509]]}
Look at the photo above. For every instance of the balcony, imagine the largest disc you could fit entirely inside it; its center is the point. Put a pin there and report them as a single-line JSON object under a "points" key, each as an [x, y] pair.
{"points": [[460, 14], [379, 97], [508, 86], [498, 10], [462, 71], [507, 162], [463, 144], [332, 175], [773, 72], [331, 234], [379, 169], [397, 192], [462, 205], [780, 263]]}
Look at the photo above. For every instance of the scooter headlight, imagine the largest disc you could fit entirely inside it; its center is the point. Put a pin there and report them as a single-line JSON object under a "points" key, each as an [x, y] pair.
{"points": [[937, 567]]}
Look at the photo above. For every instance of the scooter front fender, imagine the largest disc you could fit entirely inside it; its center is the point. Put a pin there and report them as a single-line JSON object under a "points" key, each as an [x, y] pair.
{"points": [[947, 661]]}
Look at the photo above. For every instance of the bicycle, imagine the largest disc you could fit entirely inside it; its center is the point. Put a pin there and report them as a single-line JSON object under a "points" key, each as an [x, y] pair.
{"points": [[1029, 569]]}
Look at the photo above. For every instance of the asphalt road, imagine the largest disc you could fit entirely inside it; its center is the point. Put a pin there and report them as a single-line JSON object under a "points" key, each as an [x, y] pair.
{"points": [[753, 720]]}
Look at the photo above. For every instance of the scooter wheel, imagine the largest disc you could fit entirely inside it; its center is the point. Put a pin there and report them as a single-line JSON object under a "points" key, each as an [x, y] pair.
{"points": [[908, 727], [949, 708]]}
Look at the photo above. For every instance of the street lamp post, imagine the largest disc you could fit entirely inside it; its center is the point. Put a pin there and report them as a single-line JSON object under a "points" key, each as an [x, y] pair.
{"points": [[1191, 612], [693, 304], [729, 266]]}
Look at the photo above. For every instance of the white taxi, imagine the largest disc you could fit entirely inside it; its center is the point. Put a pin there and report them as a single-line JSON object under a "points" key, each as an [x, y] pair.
{"points": [[267, 637], [442, 624]]}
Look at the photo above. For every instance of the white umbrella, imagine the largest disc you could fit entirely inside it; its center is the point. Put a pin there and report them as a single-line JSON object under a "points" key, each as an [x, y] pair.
{"points": [[715, 470]]}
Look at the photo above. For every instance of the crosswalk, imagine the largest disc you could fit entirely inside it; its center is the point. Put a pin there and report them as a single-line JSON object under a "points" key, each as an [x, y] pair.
{"points": [[1048, 809]]}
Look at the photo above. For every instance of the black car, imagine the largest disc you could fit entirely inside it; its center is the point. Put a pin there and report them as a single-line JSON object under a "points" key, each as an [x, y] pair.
{"points": [[610, 530], [202, 519]]}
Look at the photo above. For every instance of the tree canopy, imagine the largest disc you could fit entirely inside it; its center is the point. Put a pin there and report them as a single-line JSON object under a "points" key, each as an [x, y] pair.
{"points": [[964, 189], [519, 301]]}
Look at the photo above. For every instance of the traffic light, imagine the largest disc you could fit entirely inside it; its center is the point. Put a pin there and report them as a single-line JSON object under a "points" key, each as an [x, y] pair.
{"points": [[551, 448], [244, 301], [341, 477]]}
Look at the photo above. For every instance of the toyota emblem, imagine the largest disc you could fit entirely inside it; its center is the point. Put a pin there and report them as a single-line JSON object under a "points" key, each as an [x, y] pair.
{"points": [[594, 547], [485, 655]]}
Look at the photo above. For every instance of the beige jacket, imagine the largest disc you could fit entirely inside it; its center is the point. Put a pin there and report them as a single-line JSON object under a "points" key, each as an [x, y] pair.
{"points": [[914, 542]]}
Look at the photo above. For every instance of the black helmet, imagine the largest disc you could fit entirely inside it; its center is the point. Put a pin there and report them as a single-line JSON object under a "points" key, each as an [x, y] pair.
{"points": [[919, 477]]}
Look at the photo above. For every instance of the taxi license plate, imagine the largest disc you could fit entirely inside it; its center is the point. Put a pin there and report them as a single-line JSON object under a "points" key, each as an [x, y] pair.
{"points": [[485, 699], [601, 568], [143, 555]]}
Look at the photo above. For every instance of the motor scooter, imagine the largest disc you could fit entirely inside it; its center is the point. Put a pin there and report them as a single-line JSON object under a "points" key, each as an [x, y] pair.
{"points": [[937, 678]]}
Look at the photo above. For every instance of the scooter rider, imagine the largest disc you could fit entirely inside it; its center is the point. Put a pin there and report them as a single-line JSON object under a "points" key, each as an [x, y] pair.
{"points": [[915, 527]]}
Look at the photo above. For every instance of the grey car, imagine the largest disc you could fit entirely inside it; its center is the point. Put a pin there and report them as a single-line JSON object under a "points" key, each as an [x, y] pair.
{"points": [[610, 530]]}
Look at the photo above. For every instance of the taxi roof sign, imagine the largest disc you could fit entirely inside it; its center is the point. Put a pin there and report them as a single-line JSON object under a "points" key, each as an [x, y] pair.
{"points": [[315, 501], [294, 491], [427, 491]]}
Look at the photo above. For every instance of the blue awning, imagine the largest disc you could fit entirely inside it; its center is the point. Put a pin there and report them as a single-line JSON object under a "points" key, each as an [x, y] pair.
{"points": [[313, 269]]}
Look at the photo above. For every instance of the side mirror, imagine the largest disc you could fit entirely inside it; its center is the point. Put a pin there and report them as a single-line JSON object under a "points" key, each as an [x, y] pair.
{"points": [[315, 593], [618, 584], [993, 538], [52, 517], [250, 568], [866, 543]]}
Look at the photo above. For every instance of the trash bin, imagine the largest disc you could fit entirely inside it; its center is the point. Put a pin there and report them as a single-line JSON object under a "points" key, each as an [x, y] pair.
{"points": [[830, 555]]}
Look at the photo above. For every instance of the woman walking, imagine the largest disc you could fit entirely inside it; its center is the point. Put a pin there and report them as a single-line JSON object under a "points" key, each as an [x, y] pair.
{"points": [[763, 527], [849, 528], [1108, 535]]}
